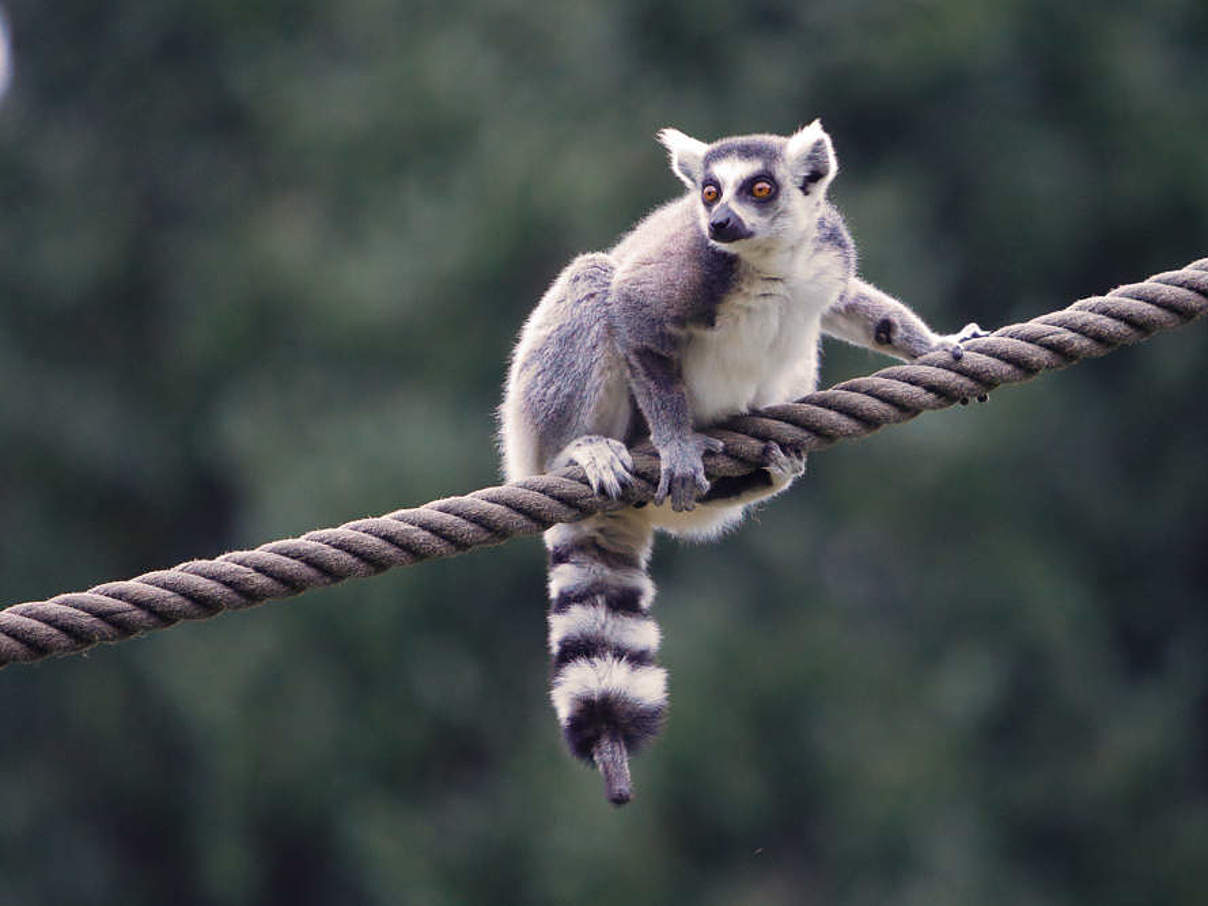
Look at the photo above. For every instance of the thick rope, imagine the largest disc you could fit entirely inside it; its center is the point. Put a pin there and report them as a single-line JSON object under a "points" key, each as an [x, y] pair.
{"points": [[200, 589]]}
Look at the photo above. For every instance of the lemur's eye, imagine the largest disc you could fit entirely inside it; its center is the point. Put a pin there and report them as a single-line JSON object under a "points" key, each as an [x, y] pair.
{"points": [[763, 189], [710, 193]]}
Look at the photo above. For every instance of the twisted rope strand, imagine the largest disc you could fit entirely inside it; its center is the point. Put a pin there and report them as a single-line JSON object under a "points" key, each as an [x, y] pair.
{"points": [[200, 589]]}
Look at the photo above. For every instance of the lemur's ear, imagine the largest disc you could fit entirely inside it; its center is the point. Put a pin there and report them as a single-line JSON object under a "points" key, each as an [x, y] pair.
{"points": [[687, 155], [811, 158]]}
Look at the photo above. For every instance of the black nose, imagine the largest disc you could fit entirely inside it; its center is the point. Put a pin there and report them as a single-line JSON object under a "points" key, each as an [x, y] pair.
{"points": [[726, 226]]}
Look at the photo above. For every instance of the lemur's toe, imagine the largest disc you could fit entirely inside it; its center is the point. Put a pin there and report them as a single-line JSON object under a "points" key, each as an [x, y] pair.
{"points": [[784, 461], [952, 342], [605, 461]]}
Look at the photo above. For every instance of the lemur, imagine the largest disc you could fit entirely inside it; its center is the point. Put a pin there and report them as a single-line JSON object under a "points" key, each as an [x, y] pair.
{"points": [[711, 306]]}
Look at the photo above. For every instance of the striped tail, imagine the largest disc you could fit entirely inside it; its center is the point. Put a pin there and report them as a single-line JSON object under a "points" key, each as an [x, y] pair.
{"points": [[609, 696]]}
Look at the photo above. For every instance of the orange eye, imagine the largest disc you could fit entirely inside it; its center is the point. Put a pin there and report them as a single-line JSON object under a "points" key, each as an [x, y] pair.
{"points": [[762, 189], [710, 194]]}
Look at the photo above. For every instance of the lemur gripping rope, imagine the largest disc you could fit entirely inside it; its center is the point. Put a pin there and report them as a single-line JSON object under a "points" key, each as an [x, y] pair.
{"points": [[711, 306]]}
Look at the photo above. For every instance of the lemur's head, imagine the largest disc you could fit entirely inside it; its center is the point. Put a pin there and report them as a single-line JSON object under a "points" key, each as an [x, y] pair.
{"points": [[755, 190]]}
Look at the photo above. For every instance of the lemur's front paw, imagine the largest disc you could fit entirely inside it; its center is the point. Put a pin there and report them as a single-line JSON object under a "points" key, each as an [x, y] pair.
{"points": [[952, 342], [606, 462], [783, 463], [682, 472]]}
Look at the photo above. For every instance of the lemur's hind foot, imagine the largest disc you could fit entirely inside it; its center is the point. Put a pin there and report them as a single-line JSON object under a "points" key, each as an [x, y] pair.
{"points": [[606, 461], [783, 462]]}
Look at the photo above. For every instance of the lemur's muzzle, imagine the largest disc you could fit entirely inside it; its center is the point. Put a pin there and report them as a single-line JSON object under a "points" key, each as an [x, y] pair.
{"points": [[726, 226]]}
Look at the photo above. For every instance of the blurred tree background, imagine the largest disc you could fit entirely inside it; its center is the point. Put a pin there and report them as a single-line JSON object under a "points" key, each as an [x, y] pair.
{"points": [[261, 264]]}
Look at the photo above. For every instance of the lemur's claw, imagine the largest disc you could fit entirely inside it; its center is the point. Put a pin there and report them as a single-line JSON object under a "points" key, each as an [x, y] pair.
{"points": [[952, 342], [605, 461], [682, 477], [783, 461], [971, 331], [684, 488]]}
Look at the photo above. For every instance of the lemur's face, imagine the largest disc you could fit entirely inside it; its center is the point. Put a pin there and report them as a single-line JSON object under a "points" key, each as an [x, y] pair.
{"points": [[758, 190], [745, 192]]}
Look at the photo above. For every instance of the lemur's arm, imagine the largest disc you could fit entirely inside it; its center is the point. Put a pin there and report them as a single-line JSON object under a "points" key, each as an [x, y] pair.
{"points": [[868, 317], [657, 383]]}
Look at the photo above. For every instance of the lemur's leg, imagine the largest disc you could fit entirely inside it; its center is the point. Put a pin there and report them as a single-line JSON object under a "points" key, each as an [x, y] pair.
{"points": [[868, 317], [656, 379], [567, 379]]}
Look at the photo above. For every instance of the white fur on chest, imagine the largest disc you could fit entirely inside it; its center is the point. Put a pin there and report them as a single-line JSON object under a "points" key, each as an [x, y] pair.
{"points": [[763, 348]]}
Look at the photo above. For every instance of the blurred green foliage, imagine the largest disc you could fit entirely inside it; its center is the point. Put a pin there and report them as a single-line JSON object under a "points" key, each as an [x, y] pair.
{"points": [[260, 268]]}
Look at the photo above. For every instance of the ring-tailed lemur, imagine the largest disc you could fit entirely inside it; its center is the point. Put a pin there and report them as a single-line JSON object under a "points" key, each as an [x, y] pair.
{"points": [[712, 305]]}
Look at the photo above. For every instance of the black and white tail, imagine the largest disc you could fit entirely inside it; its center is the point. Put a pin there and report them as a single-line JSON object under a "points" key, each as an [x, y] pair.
{"points": [[609, 695]]}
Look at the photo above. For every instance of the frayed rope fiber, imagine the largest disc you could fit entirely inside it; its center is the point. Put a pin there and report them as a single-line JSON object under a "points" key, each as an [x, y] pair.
{"points": [[200, 589]]}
